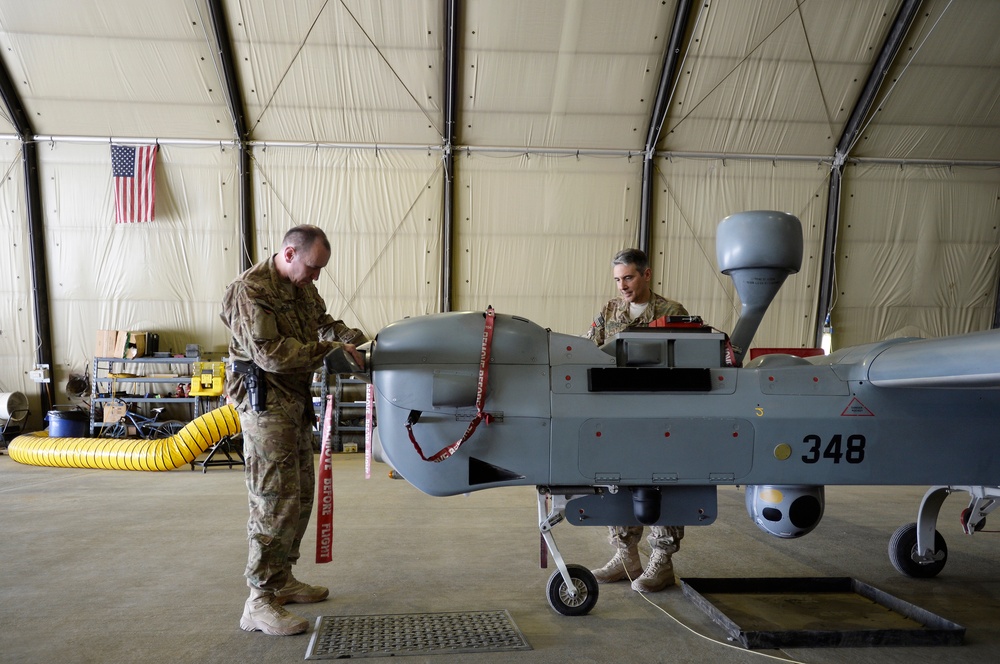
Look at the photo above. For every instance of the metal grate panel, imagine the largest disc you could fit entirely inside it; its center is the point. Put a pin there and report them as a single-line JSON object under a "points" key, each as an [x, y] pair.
{"points": [[342, 637]]}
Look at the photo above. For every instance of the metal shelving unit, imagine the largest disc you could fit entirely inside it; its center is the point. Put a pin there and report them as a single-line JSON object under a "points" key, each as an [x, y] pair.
{"points": [[342, 411], [105, 383], [346, 411]]}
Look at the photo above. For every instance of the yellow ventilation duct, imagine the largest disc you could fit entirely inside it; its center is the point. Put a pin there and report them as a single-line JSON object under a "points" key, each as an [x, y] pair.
{"points": [[38, 449]]}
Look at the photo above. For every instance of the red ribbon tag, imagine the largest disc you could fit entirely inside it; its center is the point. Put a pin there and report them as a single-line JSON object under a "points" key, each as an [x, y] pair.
{"points": [[324, 494]]}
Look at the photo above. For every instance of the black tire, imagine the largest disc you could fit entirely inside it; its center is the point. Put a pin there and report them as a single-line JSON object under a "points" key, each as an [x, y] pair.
{"points": [[903, 545], [586, 592], [118, 430]]}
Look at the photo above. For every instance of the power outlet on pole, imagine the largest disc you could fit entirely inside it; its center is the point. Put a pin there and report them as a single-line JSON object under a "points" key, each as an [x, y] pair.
{"points": [[40, 374]]}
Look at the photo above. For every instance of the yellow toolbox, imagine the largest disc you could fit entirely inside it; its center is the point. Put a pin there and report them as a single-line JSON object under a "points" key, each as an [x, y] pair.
{"points": [[207, 379]]}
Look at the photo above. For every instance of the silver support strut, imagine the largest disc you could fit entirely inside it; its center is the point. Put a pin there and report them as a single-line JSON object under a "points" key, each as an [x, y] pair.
{"points": [[983, 500], [546, 521], [927, 516]]}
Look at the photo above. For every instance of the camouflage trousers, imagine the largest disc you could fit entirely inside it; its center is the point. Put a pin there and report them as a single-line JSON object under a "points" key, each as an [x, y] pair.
{"points": [[664, 538], [280, 479]]}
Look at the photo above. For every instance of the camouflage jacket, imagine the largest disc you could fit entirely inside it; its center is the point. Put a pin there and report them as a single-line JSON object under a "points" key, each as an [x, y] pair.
{"points": [[285, 330], [615, 316]]}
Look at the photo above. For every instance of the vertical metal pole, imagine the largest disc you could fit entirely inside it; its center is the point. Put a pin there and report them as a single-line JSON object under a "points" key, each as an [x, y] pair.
{"points": [[659, 114], [234, 99], [248, 255], [451, 19], [39, 264]]}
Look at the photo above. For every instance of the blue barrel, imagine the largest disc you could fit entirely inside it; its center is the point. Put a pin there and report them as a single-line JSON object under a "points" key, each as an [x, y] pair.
{"points": [[68, 423]]}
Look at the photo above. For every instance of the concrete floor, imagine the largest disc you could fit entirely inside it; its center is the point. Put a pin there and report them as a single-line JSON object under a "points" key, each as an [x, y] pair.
{"points": [[120, 566]]}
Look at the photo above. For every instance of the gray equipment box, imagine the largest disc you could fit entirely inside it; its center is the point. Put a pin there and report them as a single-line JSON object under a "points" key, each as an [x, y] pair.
{"points": [[659, 347]]}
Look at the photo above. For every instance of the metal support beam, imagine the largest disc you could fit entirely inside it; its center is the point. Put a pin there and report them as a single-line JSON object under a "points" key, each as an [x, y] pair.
{"points": [[451, 20], [36, 227], [996, 310], [234, 99], [668, 74], [900, 27]]}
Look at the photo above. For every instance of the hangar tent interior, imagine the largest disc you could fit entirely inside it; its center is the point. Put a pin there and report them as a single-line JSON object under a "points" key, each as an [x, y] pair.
{"points": [[466, 153]]}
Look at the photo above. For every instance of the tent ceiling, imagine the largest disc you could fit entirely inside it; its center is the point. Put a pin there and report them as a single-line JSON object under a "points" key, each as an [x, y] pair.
{"points": [[769, 78], [118, 68], [561, 74], [361, 72], [941, 100], [774, 78]]}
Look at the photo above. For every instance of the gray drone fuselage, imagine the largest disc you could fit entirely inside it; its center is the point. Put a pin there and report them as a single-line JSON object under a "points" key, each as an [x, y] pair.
{"points": [[864, 415], [659, 408]]}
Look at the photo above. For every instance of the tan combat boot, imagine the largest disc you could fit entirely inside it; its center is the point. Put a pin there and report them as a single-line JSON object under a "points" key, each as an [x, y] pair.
{"points": [[263, 614], [625, 564], [296, 592], [659, 573]]}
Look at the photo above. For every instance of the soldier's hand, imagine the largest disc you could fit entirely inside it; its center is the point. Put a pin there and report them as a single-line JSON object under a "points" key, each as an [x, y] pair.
{"points": [[356, 354], [344, 360]]}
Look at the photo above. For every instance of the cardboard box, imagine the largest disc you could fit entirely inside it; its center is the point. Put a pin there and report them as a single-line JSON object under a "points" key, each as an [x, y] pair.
{"points": [[110, 343], [135, 345], [121, 344], [114, 412]]}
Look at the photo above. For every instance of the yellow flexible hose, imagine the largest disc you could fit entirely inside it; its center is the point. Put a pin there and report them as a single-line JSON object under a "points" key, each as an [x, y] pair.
{"points": [[38, 449]]}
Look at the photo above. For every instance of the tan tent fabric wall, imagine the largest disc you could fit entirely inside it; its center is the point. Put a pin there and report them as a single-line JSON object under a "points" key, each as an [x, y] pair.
{"points": [[535, 234], [919, 254], [382, 211]]}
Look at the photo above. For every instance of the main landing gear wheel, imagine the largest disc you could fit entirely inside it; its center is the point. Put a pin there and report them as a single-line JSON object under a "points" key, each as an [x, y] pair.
{"points": [[903, 546], [585, 586]]}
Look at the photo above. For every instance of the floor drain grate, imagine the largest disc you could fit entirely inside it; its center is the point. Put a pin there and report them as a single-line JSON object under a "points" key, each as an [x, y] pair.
{"points": [[343, 637]]}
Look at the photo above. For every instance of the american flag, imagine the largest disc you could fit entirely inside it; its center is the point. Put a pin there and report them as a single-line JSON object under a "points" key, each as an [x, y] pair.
{"points": [[134, 171]]}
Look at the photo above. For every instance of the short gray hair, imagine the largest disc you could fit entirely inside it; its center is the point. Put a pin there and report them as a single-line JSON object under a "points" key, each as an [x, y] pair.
{"points": [[635, 257], [303, 237]]}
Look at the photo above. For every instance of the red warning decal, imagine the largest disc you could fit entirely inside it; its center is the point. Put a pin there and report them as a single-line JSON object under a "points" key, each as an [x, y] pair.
{"points": [[856, 409]]}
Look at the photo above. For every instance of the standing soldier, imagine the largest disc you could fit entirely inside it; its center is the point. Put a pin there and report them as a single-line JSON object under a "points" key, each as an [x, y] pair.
{"points": [[637, 306], [281, 334]]}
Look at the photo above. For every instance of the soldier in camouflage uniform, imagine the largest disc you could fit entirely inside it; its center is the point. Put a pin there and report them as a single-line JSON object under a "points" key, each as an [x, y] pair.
{"points": [[279, 322], [637, 306]]}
